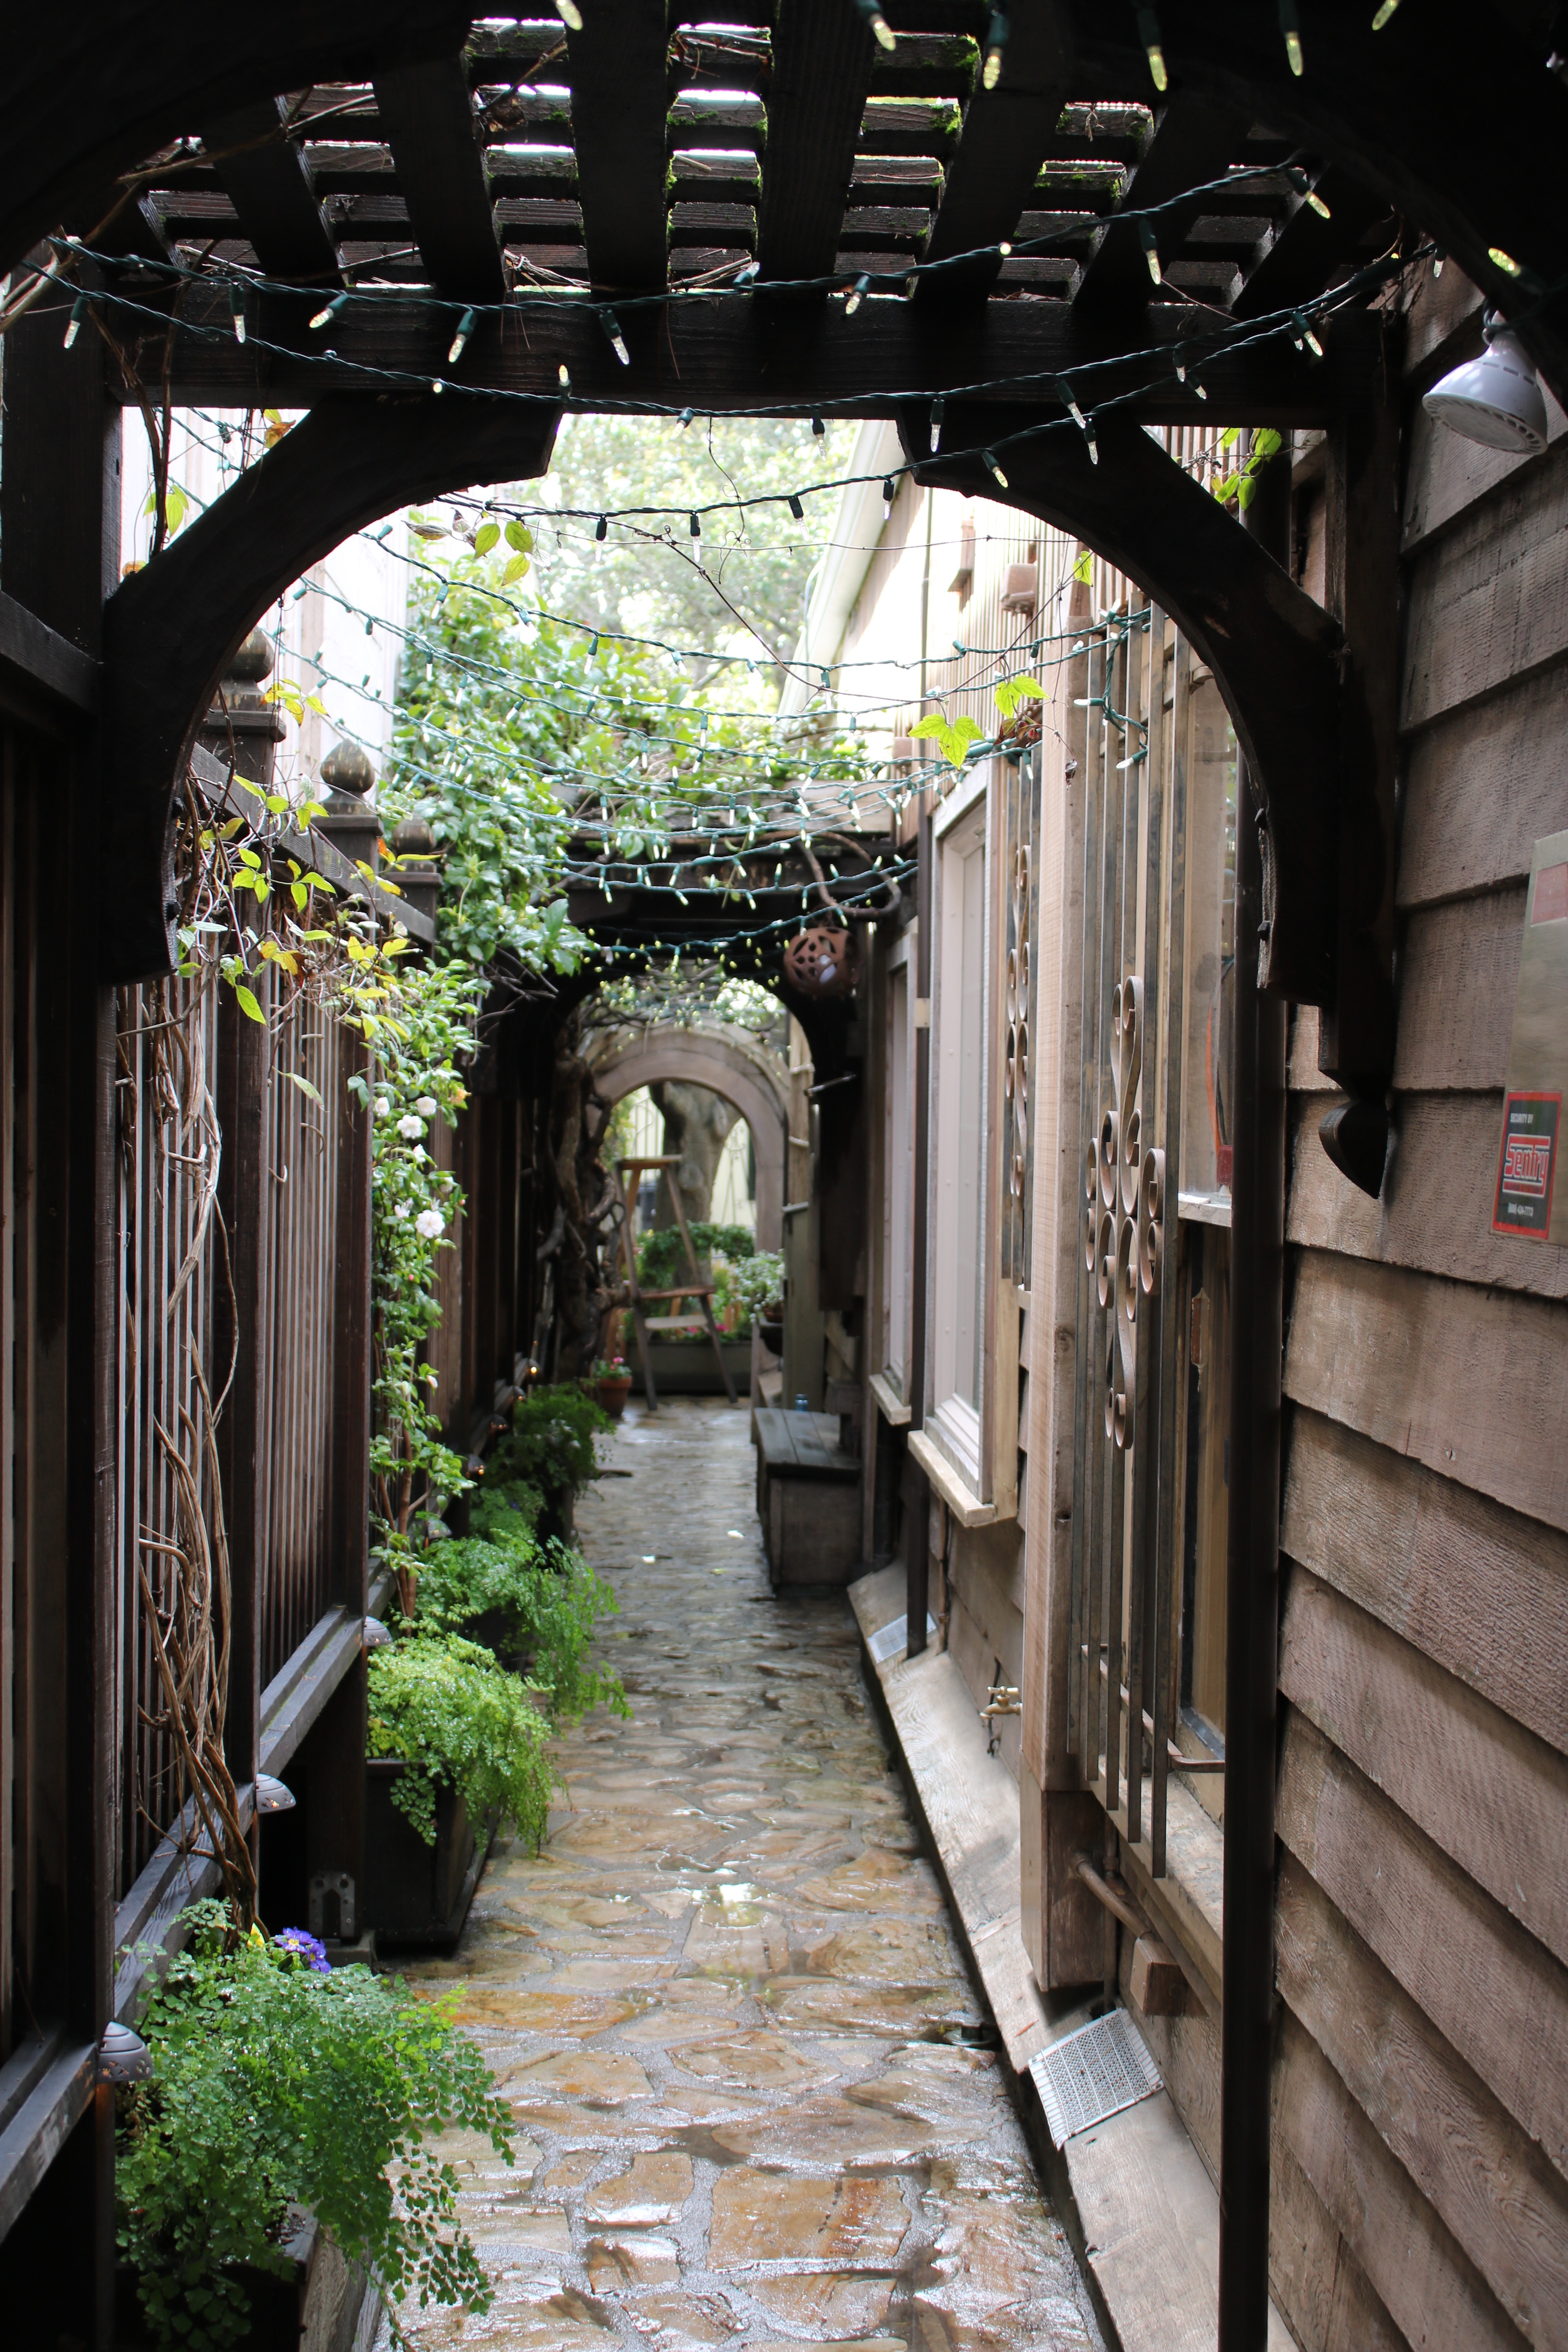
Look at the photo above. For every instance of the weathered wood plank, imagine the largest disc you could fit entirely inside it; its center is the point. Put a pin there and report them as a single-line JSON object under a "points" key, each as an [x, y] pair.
{"points": [[428, 119], [992, 177], [1434, 1211], [1193, 142], [1482, 787], [618, 110], [1299, 257], [38, 666], [1479, 1590], [270, 184], [1491, 2183], [822, 72], [1456, 983], [1317, 2282], [1488, 601], [1486, 1984], [1493, 1796], [1426, 2283], [1472, 1382]]}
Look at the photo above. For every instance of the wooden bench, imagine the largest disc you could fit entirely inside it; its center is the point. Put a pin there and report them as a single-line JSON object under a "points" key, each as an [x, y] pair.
{"points": [[808, 1498]]}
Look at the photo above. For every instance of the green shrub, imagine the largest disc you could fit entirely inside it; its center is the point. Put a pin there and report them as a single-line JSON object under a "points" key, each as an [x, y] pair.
{"points": [[661, 1254], [279, 2082], [550, 1445], [454, 1714], [538, 1602], [505, 1511]]}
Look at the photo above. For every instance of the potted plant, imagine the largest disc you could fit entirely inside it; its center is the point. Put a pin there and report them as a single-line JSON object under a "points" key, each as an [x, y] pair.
{"points": [[758, 1282], [456, 1745], [550, 1449], [613, 1384], [281, 2090]]}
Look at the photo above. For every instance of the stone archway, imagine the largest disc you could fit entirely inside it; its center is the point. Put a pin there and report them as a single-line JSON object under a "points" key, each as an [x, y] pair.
{"points": [[729, 1062]]}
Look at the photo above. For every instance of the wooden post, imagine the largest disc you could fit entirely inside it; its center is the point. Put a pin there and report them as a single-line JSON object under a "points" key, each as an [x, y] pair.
{"points": [[59, 551], [916, 1514], [1361, 521], [1252, 1600], [238, 1310]]}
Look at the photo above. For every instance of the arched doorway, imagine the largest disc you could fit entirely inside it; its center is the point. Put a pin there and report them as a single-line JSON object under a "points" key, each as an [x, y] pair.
{"points": [[729, 1063]]}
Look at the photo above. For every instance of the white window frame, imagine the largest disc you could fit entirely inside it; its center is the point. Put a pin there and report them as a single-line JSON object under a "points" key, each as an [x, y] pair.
{"points": [[958, 1430], [897, 1337]]}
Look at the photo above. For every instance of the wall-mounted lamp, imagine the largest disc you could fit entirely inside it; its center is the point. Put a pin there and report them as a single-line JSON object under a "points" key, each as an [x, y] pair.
{"points": [[123, 2056], [1495, 400], [272, 1796]]}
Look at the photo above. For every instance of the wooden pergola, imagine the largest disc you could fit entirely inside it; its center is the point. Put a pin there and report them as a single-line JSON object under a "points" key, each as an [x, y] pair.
{"points": [[786, 217]]}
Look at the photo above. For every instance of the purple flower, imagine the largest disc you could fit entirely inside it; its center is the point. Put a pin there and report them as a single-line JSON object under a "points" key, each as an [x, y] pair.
{"points": [[298, 1945]]}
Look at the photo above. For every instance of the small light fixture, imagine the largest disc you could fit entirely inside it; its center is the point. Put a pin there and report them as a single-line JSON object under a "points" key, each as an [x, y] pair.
{"points": [[74, 323], [857, 295], [272, 1795], [123, 2056], [1496, 399], [236, 310], [376, 1635]]}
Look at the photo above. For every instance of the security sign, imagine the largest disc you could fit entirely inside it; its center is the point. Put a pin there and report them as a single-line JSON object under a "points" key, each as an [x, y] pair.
{"points": [[1529, 1162]]}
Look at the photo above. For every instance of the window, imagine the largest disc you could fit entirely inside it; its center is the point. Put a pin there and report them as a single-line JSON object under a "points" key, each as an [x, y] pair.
{"points": [[1152, 1408], [960, 1218], [897, 1200]]}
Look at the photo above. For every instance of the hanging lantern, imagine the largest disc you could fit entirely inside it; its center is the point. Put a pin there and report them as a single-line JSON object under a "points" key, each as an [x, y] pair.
{"points": [[821, 961]]}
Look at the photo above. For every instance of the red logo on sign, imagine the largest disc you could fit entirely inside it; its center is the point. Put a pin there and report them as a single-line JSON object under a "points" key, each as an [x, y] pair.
{"points": [[1526, 1166]]}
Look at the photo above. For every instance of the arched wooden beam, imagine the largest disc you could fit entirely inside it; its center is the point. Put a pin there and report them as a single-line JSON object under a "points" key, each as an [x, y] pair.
{"points": [[1414, 112], [1275, 654], [170, 631], [89, 95], [732, 1066]]}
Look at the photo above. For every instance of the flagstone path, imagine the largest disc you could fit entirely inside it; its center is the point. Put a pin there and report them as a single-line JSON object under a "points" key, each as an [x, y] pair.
{"points": [[753, 2100]]}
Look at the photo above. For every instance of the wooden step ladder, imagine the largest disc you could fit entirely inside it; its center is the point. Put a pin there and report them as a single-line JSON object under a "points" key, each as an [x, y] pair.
{"points": [[630, 1172]]}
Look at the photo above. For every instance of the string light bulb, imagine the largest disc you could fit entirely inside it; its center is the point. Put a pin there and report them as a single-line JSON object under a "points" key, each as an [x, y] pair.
{"points": [[612, 327], [460, 340], [236, 308], [857, 295], [325, 316], [997, 476], [1149, 34], [1151, 245], [795, 508], [569, 15], [602, 528], [818, 428], [73, 325], [685, 415], [887, 498], [563, 379], [1290, 26], [938, 410], [1384, 14], [1303, 338], [883, 32], [995, 42], [1495, 255], [696, 524]]}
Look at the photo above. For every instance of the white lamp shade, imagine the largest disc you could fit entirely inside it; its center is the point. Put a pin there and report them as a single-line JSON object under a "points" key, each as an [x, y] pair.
{"points": [[1494, 400]]}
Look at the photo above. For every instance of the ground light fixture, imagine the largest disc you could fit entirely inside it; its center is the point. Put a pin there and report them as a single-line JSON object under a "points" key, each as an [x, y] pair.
{"points": [[123, 2056], [1496, 399], [272, 1795], [376, 1635]]}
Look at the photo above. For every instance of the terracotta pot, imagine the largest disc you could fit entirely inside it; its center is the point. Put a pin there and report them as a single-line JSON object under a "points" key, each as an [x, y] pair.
{"points": [[613, 1395]]}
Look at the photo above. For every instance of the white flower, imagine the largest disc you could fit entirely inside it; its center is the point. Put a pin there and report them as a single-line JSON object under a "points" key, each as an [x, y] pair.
{"points": [[428, 1105], [401, 1211], [411, 1127], [429, 1225], [383, 1107]]}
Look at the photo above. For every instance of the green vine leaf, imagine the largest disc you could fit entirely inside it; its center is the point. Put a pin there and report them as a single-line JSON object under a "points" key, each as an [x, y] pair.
{"points": [[245, 1000]]}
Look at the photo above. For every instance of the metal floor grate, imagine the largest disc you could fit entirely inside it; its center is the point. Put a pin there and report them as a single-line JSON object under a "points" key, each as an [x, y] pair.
{"points": [[1093, 2073], [895, 1637]]}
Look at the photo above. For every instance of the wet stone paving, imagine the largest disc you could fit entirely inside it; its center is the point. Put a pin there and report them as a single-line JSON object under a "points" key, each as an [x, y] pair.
{"points": [[753, 2098]]}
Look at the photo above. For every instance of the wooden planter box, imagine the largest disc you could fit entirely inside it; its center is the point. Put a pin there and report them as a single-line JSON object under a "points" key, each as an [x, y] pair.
{"points": [[322, 2303], [416, 1894], [686, 1368]]}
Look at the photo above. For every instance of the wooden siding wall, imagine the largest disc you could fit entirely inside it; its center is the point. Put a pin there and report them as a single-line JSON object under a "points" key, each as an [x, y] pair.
{"points": [[1423, 1804]]}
